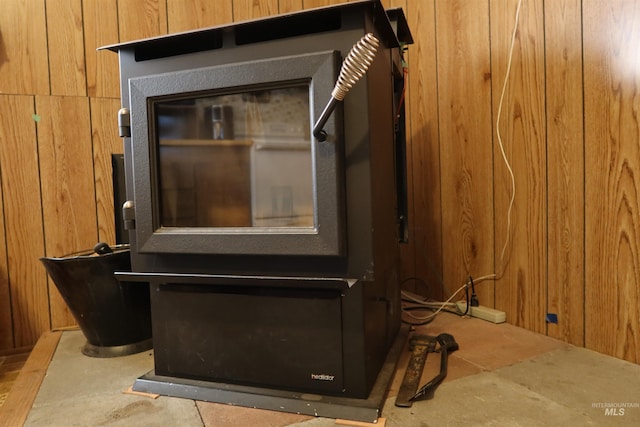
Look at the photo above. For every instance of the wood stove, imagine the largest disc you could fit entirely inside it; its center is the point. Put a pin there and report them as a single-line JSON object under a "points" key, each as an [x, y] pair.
{"points": [[271, 255]]}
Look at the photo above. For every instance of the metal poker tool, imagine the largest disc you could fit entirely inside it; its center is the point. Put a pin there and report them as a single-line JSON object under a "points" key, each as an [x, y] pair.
{"points": [[447, 344], [421, 346]]}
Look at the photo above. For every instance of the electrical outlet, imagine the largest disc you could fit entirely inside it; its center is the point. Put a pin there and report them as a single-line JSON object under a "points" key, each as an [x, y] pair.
{"points": [[484, 313]]}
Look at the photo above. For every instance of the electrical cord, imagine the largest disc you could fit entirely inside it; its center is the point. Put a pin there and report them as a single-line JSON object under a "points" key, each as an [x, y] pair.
{"points": [[501, 144], [405, 74], [437, 306], [440, 306], [473, 302], [424, 305], [417, 280]]}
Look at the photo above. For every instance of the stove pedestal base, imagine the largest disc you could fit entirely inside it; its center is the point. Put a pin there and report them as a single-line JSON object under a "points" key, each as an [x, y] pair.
{"points": [[366, 410]]}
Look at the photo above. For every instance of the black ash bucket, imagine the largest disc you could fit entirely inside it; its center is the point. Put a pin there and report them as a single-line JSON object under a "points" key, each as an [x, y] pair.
{"points": [[115, 317]]}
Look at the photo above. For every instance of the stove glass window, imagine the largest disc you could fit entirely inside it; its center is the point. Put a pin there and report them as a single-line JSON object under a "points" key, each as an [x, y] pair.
{"points": [[236, 159]]}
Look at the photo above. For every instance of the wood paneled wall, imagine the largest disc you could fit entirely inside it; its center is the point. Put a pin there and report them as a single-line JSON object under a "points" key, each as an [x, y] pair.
{"points": [[567, 124]]}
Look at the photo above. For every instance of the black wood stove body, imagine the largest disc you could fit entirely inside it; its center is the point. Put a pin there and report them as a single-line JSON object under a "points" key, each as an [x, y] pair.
{"points": [[272, 256]]}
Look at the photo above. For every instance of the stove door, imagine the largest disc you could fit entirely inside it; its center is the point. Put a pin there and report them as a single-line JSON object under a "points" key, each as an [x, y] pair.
{"points": [[224, 161], [275, 337]]}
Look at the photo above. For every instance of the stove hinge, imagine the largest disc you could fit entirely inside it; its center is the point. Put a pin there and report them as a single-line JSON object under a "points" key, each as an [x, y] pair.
{"points": [[129, 215], [124, 122]]}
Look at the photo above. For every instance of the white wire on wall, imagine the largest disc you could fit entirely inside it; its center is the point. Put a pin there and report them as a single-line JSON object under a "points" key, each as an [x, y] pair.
{"points": [[439, 306], [501, 144]]}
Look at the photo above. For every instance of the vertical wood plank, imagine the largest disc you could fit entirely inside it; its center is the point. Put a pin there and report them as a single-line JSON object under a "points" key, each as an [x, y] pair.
{"points": [[565, 169], [6, 322], [105, 142], [23, 219], [193, 14], [425, 151], [287, 6], [252, 9], [139, 19], [612, 153], [100, 21], [163, 19], [68, 190], [308, 4], [464, 99], [23, 48], [66, 47], [522, 290]]}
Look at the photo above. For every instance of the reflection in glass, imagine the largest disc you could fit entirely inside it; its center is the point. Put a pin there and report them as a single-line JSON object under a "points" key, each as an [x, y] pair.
{"points": [[236, 160]]}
